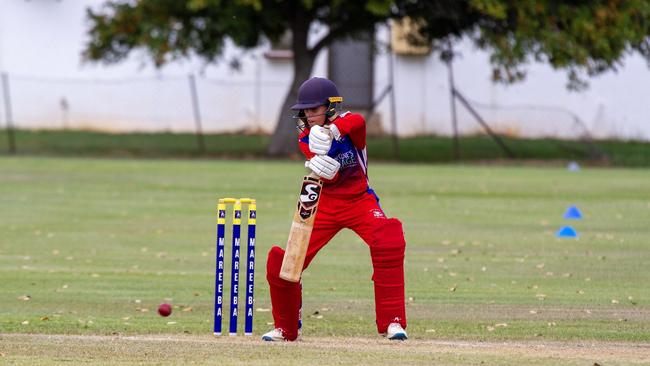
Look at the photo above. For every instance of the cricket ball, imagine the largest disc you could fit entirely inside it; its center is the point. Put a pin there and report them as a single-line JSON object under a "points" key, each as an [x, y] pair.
{"points": [[165, 310]]}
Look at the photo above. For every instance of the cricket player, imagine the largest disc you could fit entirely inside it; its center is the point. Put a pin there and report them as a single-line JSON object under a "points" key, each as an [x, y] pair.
{"points": [[335, 147]]}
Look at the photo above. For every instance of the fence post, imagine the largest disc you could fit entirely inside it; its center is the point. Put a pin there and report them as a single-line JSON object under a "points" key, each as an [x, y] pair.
{"points": [[393, 113], [487, 128], [197, 114], [454, 120], [9, 118]]}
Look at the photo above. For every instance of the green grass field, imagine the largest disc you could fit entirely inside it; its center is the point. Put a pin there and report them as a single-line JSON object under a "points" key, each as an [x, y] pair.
{"points": [[420, 149], [91, 246]]}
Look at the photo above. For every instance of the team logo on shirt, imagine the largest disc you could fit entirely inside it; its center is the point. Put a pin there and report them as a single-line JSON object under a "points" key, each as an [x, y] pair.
{"points": [[347, 159], [377, 213]]}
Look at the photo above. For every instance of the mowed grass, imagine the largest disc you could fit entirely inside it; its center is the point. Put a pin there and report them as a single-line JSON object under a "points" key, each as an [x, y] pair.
{"points": [[92, 246], [417, 149]]}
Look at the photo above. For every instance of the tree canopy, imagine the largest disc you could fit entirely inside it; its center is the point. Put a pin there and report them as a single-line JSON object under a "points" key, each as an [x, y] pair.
{"points": [[585, 38]]}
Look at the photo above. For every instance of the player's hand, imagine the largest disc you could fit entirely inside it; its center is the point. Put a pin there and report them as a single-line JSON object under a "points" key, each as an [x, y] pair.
{"points": [[323, 166], [320, 140]]}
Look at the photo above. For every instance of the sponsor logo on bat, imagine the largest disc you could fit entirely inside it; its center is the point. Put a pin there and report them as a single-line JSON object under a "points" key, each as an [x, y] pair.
{"points": [[309, 194]]}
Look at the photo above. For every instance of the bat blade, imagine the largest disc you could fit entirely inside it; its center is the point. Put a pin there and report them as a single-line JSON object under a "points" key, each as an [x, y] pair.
{"points": [[301, 227]]}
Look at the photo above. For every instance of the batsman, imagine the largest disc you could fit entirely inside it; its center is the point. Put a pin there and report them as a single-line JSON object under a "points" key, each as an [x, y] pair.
{"points": [[334, 145]]}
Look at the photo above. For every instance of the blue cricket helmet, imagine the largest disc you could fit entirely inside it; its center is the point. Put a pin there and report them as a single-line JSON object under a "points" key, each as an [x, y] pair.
{"points": [[316, 92]]}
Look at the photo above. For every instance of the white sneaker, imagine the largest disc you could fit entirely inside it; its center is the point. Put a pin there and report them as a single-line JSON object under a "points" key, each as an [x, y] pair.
{"points": [[395, 332], [274, 335]]}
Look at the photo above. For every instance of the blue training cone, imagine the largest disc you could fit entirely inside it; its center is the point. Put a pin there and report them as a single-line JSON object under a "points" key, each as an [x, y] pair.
{"points": [[566, 232], [572, 213], [573, 167]]}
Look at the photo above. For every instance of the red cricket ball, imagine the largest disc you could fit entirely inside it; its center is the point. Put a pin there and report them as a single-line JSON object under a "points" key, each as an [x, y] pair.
{"points": [[165, 310]]}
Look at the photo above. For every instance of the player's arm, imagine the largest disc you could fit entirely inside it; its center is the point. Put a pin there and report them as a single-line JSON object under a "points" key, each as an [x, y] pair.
{"points": [[303, 144], [352, 125]]}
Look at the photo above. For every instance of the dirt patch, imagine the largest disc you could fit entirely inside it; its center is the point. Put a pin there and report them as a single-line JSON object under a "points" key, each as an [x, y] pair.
{"points": [[178, 349]]}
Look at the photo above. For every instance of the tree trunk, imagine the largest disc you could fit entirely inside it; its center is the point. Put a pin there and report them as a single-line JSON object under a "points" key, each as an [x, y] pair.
{"points": [[284, 141]]}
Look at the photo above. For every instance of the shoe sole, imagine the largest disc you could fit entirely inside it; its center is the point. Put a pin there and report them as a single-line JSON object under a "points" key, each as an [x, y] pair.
{"points": [[399, 337]]}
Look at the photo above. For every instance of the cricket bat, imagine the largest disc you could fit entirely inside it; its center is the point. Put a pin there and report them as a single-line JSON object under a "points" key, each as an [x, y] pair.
{"points": [[301, 227]]}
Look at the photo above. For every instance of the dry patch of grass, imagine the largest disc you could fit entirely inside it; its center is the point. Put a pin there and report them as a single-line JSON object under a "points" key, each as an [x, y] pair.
{"points": [[38, 349]]}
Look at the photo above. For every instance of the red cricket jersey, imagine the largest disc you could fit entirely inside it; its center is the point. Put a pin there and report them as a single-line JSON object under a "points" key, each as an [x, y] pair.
{"points": [[349, 150]]}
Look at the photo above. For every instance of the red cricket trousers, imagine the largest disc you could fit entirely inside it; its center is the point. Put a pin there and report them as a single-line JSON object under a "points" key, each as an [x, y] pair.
{"points": [[385, 239]]}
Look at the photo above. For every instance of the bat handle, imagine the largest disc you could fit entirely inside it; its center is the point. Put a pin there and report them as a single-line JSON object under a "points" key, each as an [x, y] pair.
{"points": [[311, 173]]}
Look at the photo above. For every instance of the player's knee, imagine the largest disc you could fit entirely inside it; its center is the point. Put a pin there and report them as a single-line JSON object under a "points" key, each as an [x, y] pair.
{"points": [[273, 267], [274, 262], [388, 244], [389, 234]]}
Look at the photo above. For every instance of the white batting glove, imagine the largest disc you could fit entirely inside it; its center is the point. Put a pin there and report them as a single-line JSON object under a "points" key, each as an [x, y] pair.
{"points": [[323, 166], [334, 131], [320, 140]]}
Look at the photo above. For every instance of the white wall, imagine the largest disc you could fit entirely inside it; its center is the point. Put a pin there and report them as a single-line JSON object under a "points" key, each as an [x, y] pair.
{"points": [[41, 43], [617, 104], [40, 49]]}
